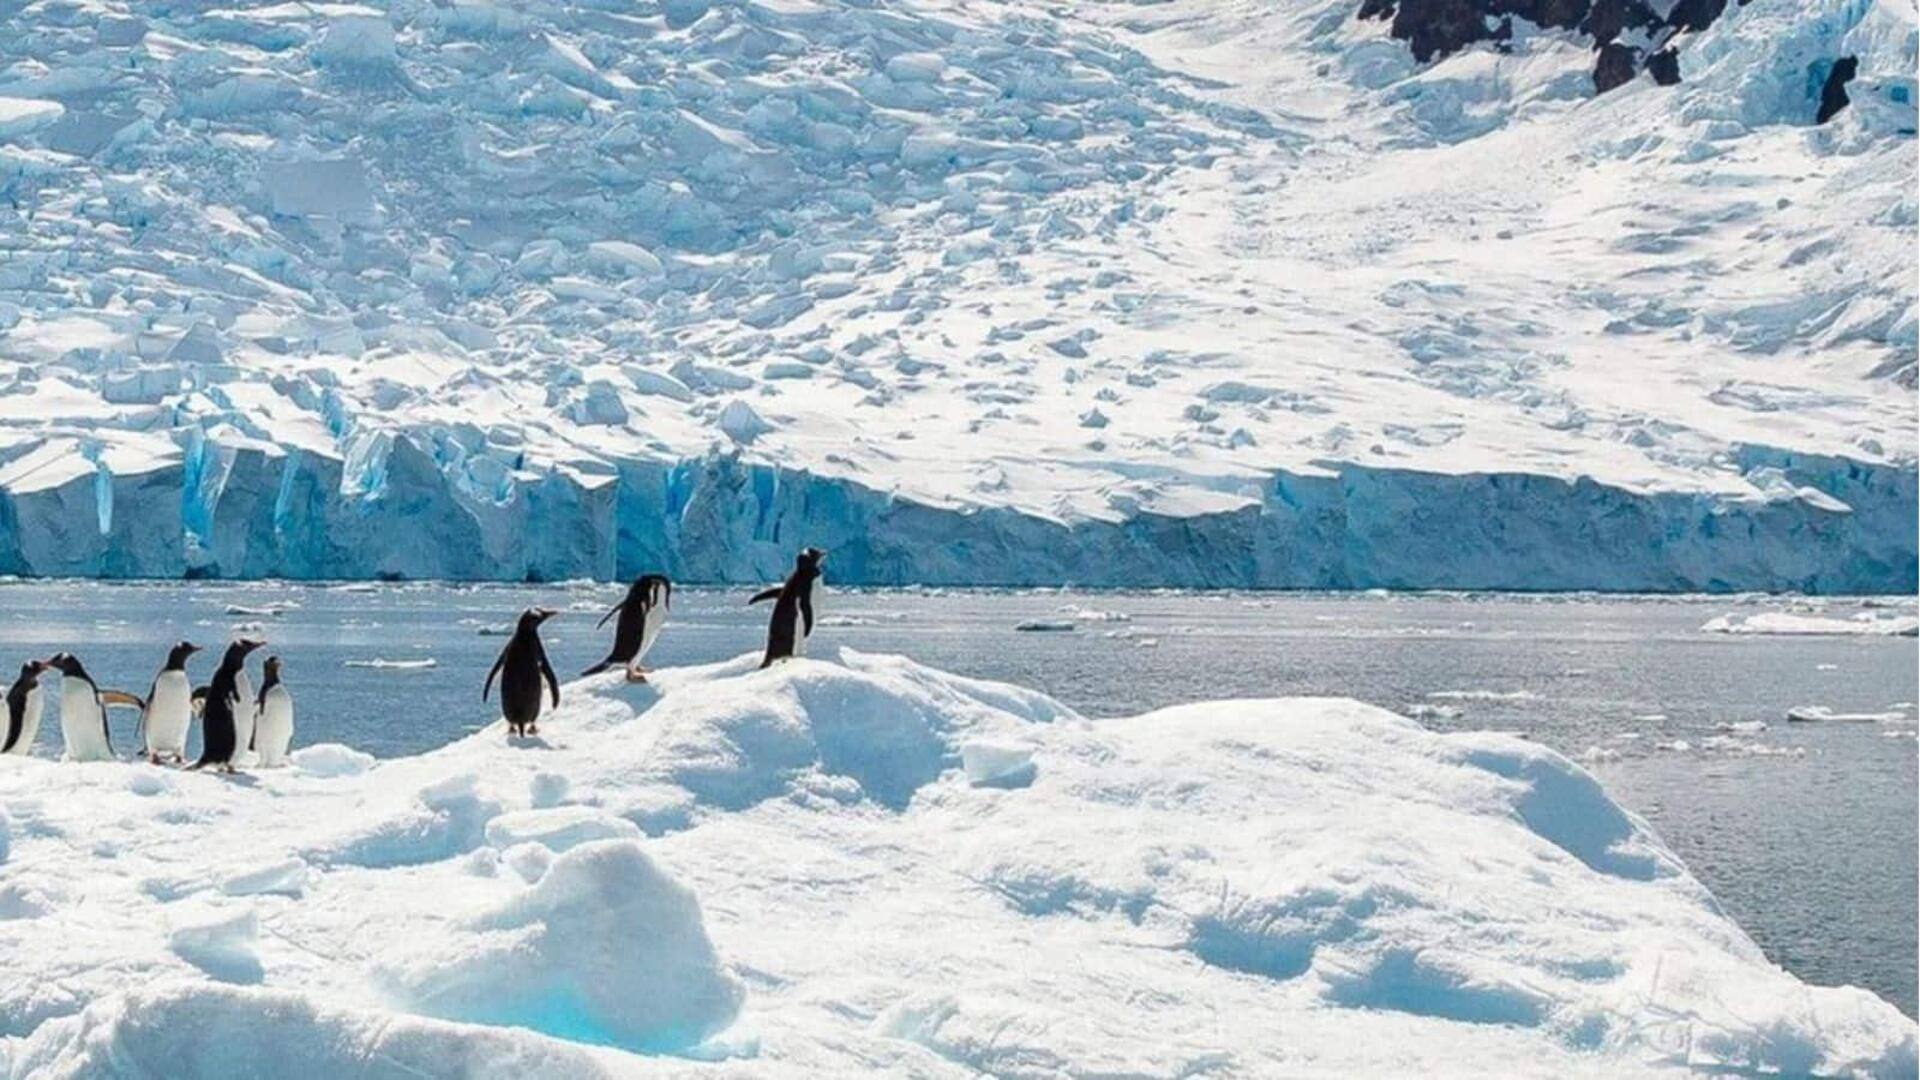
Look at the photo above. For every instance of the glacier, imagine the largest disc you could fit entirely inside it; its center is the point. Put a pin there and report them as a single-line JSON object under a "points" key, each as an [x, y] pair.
{"points": [[1194, 294], [861, 864]]}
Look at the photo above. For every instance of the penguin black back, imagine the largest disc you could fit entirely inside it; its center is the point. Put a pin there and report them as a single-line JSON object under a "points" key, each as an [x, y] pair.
{"points": [[646, 603], [792, 620], [521, 667], [28, 681], [219, 733]]}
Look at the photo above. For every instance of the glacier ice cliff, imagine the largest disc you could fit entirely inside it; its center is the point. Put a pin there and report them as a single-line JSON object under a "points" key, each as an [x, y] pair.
{"points": [[1191, 294]]}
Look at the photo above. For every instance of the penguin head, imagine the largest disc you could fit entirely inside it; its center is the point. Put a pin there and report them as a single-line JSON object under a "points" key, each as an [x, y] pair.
{"points": [[809, 559], [656, 589], [237, 652], [531, 618], [30, 672], [177, 656], [271, 668], [66, 664]]}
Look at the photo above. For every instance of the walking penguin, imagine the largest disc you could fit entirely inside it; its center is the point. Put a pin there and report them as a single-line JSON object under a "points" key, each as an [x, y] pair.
{"points": [[219, 727], [521, 667], [792, 619], [642, 615]]}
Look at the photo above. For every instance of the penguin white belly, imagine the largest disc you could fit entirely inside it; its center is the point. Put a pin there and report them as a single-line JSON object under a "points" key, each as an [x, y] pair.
{"points": [[245, 715], [81, 723], [29, 722], [169, 714], [273, 733], [650, 632]]}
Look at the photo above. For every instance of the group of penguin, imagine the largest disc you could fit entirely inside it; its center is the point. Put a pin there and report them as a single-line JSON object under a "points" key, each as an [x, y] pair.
{"points": [[524, 672], [236, 720], [233, 718]]}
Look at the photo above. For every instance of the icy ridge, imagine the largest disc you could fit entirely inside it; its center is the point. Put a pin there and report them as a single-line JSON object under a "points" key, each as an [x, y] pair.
{"points": [[862, 865]]}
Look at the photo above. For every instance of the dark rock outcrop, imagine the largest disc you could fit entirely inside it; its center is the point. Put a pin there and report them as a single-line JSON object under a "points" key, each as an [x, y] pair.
{"points": [[1436, 28]]}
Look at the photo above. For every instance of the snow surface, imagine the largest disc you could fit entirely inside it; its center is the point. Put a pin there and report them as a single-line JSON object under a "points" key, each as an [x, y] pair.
{"points": [[865, 865], [1198, 293]]}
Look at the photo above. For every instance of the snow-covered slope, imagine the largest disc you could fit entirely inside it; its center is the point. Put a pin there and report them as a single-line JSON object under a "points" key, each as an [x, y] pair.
{"points": [[1199, 292], [865, 865]]}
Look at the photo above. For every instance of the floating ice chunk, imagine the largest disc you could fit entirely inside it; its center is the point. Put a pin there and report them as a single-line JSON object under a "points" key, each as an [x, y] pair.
{"points": [[1482, 695], [1741, 727], [1046, 626], [1786, 623], [1807, 714], [384, 664]]}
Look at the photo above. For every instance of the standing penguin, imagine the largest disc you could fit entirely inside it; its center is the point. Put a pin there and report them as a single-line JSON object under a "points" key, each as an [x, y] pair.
{"points": [[522, 664], [169, 712], [273, 731], [83, 710], [25, 701], [219, 733], [642, 615], [792, 618]]}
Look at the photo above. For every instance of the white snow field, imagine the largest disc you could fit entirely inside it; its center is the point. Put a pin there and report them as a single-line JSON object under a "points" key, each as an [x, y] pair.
{"points": [[858, 865], [1207, 292]]}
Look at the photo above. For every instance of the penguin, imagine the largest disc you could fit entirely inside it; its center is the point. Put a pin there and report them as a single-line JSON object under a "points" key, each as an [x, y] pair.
{"points": [[25, 701], [223, 705], [522, 664], [169, 712], [792, 619], [83, 710], [273, 731], [642, 616]]}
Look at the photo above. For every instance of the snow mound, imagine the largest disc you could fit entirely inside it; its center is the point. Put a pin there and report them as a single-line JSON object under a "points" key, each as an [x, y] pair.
{"points": [[605, 948], [864, 865]]}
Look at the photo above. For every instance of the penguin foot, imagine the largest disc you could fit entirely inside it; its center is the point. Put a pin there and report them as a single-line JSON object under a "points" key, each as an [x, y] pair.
{"points": [[533, 729], [636, 675]]}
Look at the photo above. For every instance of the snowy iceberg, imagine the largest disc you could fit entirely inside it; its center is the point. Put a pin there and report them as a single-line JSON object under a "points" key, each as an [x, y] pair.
{"points": [[864, 865]]}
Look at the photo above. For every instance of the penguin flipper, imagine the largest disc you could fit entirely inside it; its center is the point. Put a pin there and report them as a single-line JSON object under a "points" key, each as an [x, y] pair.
{"points": [[609, 614], [497, 664], [121, 699], [764, 594], [198, 699], [553, 682]]}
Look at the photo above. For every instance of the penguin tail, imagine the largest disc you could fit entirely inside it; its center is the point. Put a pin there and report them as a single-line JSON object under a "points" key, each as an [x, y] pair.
{"points": [[597, 668]]}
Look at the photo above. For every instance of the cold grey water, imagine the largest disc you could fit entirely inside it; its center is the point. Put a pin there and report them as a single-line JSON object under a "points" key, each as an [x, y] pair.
{"points": [[1806, 832]]}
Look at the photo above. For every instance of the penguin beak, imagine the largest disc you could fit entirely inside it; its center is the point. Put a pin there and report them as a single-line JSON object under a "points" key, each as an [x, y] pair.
{"points": [[543, 614]]}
